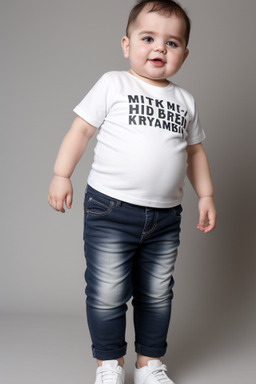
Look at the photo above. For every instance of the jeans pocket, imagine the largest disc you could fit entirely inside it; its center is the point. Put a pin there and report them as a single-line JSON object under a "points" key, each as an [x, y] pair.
{"points": [[95, 207], [177, 211]]}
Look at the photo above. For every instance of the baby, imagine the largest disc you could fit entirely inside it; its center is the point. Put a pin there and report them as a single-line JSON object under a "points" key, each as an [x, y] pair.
{"points": [[149, 138]]}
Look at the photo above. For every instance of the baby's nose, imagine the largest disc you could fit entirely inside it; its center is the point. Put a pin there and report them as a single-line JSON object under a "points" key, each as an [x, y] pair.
{"points": [[160, 47]]}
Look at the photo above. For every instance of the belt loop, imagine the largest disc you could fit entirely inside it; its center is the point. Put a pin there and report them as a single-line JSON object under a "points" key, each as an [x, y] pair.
{"points": [[118, 203]]}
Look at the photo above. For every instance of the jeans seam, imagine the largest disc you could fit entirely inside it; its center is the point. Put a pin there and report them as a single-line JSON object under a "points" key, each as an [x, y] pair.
{"points": [[144, 234]]}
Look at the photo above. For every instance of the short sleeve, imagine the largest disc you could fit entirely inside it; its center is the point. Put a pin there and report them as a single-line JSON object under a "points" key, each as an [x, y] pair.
{"points": [[95, 105], [195, 132]]}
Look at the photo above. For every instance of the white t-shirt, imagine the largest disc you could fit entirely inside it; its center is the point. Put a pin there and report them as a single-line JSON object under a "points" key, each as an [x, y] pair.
{"points": [[140, 156]]}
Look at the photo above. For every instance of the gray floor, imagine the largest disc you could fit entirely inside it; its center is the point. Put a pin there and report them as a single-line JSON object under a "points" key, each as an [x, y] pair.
{"points": [[40, 350]]}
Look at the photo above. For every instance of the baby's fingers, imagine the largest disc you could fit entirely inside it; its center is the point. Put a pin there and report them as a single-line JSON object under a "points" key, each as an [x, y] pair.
{"points": [[202, 221], [60, 192], [56, 204], [207, 214], [60, 206], [207, 223], [69, 201], [211, 222]]}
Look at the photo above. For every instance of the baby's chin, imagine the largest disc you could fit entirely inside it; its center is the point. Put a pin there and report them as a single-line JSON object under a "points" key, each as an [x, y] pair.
{"points": [[160, 82]]}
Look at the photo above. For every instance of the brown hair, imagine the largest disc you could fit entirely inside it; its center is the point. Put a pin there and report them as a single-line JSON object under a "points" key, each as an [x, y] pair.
{"points": [[164, 6]]}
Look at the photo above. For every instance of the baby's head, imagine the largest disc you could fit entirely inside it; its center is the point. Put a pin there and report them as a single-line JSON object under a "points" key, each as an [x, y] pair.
{"points": [[165, 7], [156, 40]]}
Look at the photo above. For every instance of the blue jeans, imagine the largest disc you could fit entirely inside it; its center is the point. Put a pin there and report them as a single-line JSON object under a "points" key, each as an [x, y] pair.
{"points": [[130, 251]]}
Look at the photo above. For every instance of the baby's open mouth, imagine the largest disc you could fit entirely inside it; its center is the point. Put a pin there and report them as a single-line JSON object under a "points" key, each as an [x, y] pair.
{"points": [[157, 61]]}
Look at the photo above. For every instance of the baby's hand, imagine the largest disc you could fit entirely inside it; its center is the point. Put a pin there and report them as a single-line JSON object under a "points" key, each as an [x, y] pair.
{"points": [[207, 214], [60, 191]]}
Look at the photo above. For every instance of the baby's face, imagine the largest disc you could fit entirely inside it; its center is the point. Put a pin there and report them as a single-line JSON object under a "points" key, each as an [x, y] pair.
{"points": [[156, 46]]}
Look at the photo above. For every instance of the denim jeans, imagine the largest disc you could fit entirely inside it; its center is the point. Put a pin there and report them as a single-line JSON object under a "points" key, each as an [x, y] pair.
{"points": [[130, 251]]}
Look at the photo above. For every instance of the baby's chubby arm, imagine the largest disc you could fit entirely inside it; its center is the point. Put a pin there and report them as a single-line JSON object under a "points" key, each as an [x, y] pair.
{"points": [[70, 152], [199, 176]]}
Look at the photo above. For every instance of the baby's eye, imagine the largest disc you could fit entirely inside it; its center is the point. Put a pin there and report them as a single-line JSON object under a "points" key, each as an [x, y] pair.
{"points": [[148, 39], [171, 44]]}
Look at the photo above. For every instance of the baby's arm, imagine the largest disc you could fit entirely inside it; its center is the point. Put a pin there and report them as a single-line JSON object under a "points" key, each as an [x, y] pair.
{"points": [[199, 175], [71, 150]]}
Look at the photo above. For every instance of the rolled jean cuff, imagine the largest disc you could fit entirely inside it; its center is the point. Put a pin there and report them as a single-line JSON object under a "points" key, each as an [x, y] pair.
{"points": [[109, 355], [149, 351]]}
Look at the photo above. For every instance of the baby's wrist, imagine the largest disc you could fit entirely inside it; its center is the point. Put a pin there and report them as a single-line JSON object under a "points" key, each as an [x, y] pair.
{"points": [[61, 177], [205, 197]]}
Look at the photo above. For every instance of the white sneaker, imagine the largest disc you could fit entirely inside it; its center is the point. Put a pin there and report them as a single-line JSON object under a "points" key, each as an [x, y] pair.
{"points": [[153, 373], [110, 373]]}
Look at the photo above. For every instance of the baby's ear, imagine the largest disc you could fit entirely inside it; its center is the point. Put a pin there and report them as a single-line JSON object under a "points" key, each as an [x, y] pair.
{"points": [[125, 42], [185, 55]]}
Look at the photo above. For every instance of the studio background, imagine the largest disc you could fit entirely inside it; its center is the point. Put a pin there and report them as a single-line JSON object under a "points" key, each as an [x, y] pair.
{"points": [[52, 52]]}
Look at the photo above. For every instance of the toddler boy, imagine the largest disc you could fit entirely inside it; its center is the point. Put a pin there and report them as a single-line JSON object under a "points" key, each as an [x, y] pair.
{"points": [[149, 138]]}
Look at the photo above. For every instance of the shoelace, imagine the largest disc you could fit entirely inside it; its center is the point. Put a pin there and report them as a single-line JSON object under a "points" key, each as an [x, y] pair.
{"points": [[107, 376], [161, 376]]}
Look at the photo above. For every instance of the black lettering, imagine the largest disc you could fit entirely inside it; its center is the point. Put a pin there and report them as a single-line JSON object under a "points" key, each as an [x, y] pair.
{"points": [[183, 122], [132, 120], [149, 100], [177, 119], [142, 120], [133, 99], [161, 114], [158, 123], [170, 106], [174, 128], [150, 111], [150, 120], [159, 103], [170, 116], [134, 109], [166, 125]]}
